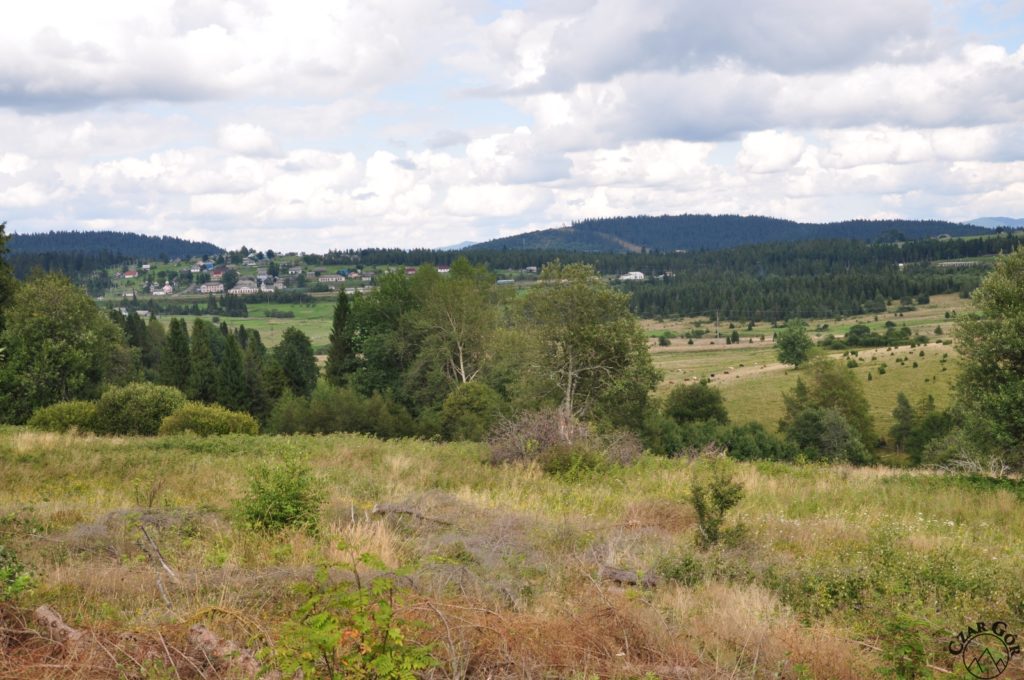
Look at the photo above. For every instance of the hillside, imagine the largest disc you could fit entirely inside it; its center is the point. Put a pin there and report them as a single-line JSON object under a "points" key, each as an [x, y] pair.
{"points": [[715, 232], [503, 568], [124, 244], [994, 222]]}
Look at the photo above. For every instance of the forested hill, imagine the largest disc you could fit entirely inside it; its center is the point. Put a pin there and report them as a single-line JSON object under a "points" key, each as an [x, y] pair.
{"points": [[715, 232], [123, 244]]}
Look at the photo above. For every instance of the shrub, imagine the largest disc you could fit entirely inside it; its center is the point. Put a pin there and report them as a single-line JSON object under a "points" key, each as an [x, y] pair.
{"points": [[699, 401], [348, 628], [713, 492], [559, 444], [208, 419], [64, 416], [136, 408], [751, 441], [14, 577], [289, 415], [470, 411], [286, 494], [825, 434]]}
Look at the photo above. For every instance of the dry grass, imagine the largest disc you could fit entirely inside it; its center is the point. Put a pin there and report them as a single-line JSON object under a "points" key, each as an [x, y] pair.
{"points": [[504, 560]]}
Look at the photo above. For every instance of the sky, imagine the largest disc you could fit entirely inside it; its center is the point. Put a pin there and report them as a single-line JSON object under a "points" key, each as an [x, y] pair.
{"points": [[309, 125]]}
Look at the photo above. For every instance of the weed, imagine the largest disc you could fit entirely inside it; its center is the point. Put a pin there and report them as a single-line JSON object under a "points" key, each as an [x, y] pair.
{"points": [[348, 629]]}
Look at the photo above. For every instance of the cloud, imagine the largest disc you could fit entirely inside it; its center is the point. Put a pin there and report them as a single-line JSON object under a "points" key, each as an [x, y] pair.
{"points": [[589, 42], [426, 122], [770, 151], [727, 100], [62, 55], [246, 138]]}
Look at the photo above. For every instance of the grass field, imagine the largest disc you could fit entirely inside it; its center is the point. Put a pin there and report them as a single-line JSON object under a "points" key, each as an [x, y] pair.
{"points": [[833, 565], [753, 382], [314, 319]]}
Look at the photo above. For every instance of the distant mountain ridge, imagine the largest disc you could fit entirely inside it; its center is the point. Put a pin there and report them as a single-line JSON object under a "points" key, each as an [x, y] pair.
{"points": [[994, 222], [125, 244], [716, 232]]}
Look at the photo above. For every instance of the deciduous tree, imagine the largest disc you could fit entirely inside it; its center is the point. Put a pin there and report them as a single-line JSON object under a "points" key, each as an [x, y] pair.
{"points": [[59, 346], [990, 389]]}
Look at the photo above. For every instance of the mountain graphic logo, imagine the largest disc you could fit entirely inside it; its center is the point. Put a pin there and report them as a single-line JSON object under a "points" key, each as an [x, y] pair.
{"points": [[986, 650], [987, 664]]}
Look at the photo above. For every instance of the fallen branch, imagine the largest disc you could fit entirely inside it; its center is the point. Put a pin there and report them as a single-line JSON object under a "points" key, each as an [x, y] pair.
{"points": [[58, 631], [389, 509], [624, 577], [223, 653], [159, 556]]}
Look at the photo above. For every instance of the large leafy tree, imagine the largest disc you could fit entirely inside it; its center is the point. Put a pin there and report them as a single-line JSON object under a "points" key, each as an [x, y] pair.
{"points": [[59, 346], [385, 348], [592, 349], [456, 318], [341, 357], [793, 343], [990, 389], [830, 385], [295, 356]]}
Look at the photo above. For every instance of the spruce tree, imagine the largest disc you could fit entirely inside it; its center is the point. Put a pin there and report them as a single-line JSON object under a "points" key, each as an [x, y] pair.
{"points": [[341, 357], [203, 382], [231, 386], [175, 366], [905, 418], [258, 401], [295, 356]]}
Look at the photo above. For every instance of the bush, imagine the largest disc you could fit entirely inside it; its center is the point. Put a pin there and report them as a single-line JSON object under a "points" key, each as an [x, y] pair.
{"points": [[136, 408], [14, 577], [208, 419], [286, 494], [751, 441], [338, 409], [699, 401], [64, 416], [713, 492], [470, 412], [558, 445]]}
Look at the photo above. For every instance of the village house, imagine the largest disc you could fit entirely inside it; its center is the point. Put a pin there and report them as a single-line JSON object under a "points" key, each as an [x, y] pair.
{"points": [[632, 276], [211, 288], [131, 274], [331, 278], [244, 287], [217, 273], [294, 271]]}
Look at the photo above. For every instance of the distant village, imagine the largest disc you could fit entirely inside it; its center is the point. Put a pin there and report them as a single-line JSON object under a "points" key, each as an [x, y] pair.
{"points": [[251, 276]]}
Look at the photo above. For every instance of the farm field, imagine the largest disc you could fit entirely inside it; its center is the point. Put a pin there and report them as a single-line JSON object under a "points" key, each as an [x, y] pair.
{"points": [[753, 382], [314, 319], [835, 566]]}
